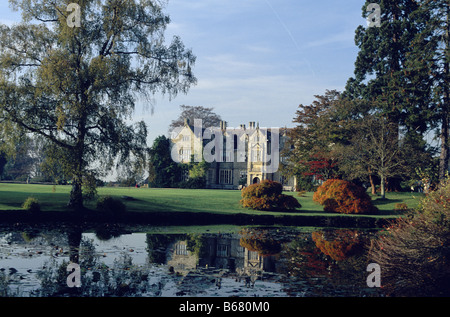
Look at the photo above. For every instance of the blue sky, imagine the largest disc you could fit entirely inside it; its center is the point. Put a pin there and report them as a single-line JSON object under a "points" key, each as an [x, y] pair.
{"points": [[257, 60]]}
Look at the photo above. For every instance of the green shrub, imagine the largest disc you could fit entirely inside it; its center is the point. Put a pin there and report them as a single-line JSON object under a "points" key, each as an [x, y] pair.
{"points": [[193, 183], [267, 196], [110, 206], [31, 204], [344, 197]]}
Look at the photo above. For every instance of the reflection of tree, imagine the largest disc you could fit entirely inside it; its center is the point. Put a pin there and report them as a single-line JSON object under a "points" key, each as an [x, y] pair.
{"points": [[196, 244], [261, 241], [312, 271], [74, 239], [158, 244], [339, 245], [105, 232], [303, 259], [4, 285], [123, 278]]}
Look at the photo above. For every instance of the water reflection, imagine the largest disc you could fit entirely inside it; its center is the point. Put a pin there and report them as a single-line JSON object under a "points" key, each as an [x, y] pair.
{"points": [[115, 261]]}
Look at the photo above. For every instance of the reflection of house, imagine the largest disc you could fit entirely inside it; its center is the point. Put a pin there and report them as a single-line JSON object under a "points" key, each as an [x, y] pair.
{"points": [[221, 252], [181, 259], [242, 158]]}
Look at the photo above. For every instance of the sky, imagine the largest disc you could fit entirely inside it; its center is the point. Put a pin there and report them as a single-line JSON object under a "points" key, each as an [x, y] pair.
{"points": [[257, 60]]}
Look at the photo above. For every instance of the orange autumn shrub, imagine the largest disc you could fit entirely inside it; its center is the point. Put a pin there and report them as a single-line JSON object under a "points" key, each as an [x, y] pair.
{"points": [[267, 196], [344, 197]]}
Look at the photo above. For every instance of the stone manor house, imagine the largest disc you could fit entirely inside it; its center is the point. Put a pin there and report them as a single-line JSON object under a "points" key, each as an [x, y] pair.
{"points": [[241, 158]]}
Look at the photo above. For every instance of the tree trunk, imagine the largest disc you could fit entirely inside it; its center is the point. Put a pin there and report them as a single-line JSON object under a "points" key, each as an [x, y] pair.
{"points": [[372, 184], [444, 158], [382, 187], [76, 194]]}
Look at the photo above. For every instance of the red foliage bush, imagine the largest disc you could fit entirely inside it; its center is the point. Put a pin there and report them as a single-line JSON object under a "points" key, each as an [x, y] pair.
{"points": [[344, 197], [267, 196]]}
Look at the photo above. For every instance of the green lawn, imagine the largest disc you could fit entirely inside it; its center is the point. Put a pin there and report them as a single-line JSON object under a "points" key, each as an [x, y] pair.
{"points": [[54, 198]]}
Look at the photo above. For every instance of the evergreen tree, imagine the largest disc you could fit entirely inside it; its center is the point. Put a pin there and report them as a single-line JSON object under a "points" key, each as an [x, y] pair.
{"points": [[164, 172], [430, 57], [380, 75]]}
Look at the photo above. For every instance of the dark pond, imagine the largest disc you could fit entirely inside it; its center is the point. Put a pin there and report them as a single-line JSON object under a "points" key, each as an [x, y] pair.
{"points": [[217, 262]]}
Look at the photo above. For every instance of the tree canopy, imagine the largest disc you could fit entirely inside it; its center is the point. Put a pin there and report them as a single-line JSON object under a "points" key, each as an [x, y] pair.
{"points": [[207, 115]]}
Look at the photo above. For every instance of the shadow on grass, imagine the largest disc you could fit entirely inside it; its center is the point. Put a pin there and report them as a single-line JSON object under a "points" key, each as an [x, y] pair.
{"points": [[385, 201]]}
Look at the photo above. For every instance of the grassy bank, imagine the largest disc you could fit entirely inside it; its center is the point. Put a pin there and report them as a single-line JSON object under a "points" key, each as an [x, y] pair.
{"points": [[179, 202]]}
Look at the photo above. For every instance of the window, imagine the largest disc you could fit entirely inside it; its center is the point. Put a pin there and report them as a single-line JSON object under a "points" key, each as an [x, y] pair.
{"points": [[180, 249], [226, 177], [185, 154], [253, 255], [186, 138], [256, 155], [240, 251], [222, 250]]}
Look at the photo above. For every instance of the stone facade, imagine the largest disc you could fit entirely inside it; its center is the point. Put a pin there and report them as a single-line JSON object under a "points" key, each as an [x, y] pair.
{"points": [[242, 156]]}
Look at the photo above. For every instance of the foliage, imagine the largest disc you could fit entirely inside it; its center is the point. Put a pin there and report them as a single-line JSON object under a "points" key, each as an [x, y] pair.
{"points": [[164, 172], [197, 244], [429, 70], [340, 245], [401, 207], [32, 204], [90, 187], [193, 183], [309, 150], [110, 206], [414, 252], [321, 166], [344, 197], [197, 172], [261, 241], [379, 74], [207, 115], [375, 149], [267, 196]]}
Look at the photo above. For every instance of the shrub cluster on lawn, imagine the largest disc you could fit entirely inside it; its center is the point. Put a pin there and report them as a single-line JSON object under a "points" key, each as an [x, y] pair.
{"points": [[414, 251], [268, 196], [344, 197], [31, 204]]}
